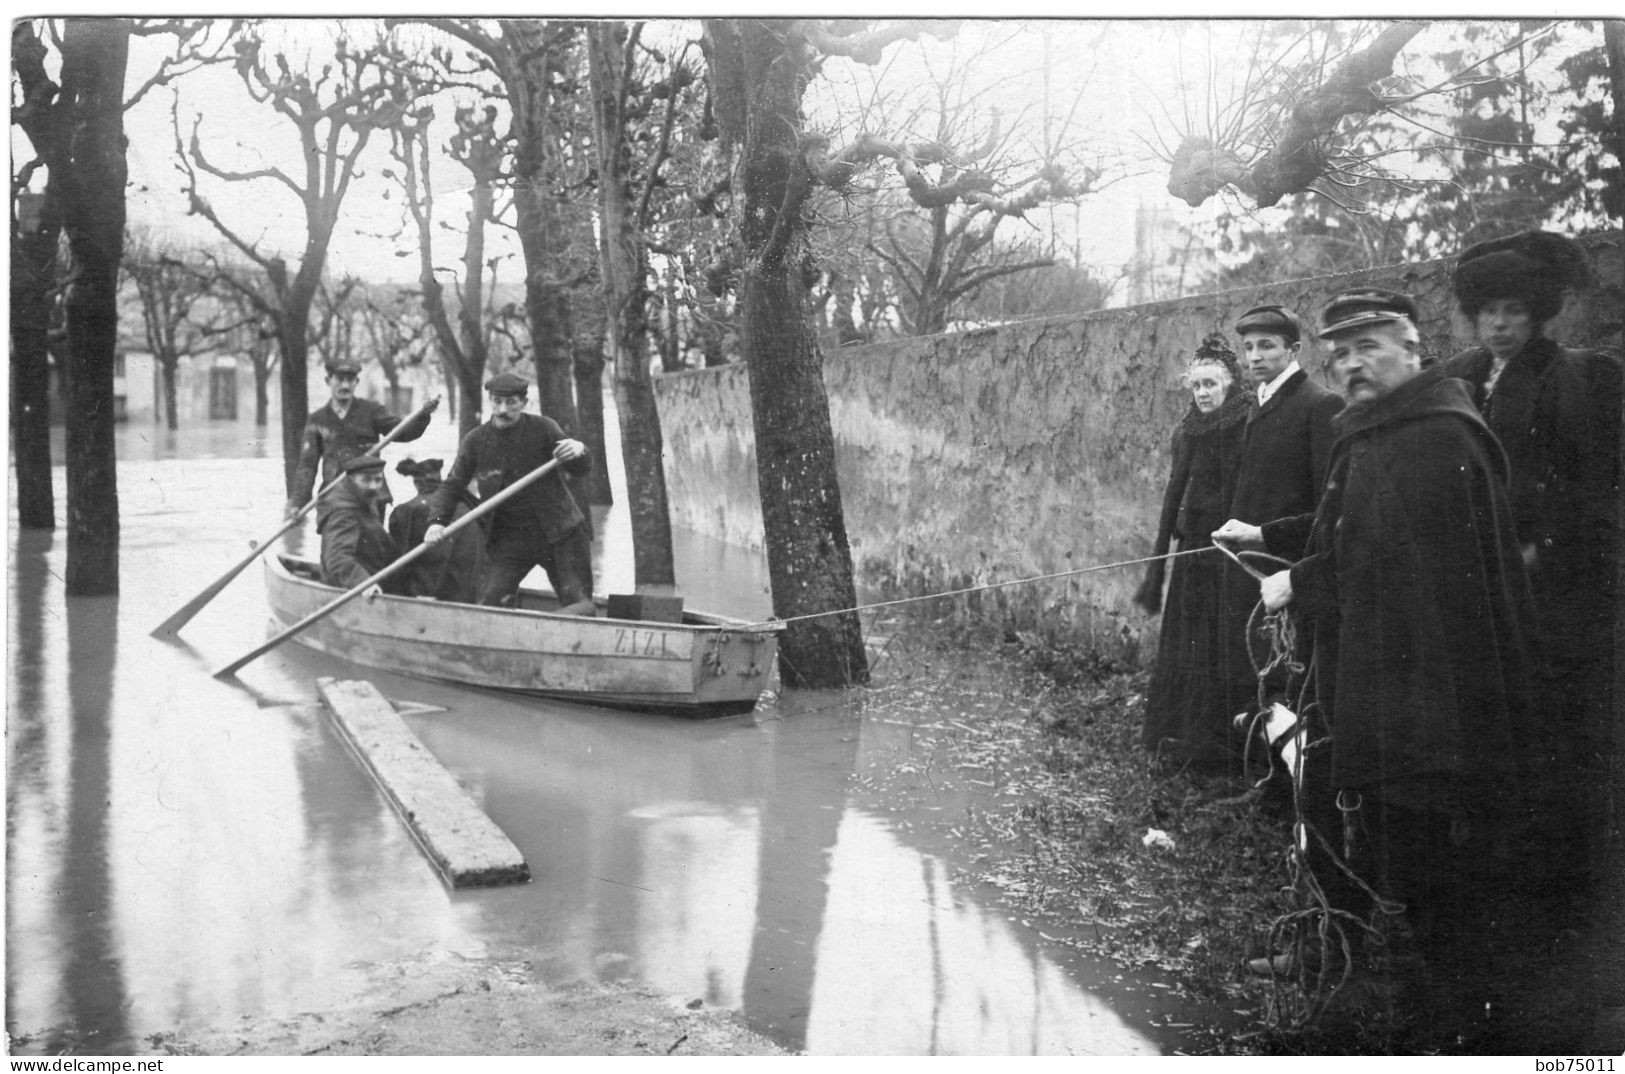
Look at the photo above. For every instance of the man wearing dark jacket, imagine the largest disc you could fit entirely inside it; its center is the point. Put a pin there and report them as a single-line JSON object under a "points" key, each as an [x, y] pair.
{"points": [[1284, 454], [343, 428], [350, 518], [1410, 580], [542, 524]]}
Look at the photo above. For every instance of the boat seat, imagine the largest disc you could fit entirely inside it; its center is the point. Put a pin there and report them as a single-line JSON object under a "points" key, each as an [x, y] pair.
{"points": [[580, 607]]}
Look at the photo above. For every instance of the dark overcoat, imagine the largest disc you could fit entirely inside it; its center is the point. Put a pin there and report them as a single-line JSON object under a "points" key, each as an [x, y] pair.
{"points": [[355, 545], [1415, 592], [1189, 701], [1284, 456], [497, 458], [452, 569], [331, 441]]}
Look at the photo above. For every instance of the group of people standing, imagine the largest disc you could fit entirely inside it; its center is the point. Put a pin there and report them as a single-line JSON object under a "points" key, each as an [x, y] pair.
{"points": [[1442, 534], [483, 562]]}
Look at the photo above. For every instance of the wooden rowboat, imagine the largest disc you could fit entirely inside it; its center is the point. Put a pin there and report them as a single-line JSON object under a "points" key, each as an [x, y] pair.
{"points": [[707, 665]]}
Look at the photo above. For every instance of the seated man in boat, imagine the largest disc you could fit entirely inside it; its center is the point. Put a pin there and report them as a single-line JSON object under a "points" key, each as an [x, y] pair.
{"points": [[350, 518], [452, 569], [342, 429], [540, 525]]}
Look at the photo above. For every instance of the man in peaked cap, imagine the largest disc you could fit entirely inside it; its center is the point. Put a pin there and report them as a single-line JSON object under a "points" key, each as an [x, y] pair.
{"points": [[350, 519], [540, 526], [1284, 454], [343, 428], [1556, 411], [1409, 581]]}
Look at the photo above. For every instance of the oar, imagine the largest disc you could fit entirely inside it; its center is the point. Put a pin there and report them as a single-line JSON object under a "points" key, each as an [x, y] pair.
{"points": [[361, 587], [171, 626]]}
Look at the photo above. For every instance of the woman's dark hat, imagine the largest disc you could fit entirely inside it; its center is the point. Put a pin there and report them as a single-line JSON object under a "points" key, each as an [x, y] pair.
{"points": [[1369, 305], [1275, 320], [1213, 350], [507, 384], [1535, 267], [362, 464], [426, 468]]}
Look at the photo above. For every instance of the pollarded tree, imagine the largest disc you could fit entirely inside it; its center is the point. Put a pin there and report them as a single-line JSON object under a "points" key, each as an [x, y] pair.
{"points": [[334, 113], [759, 70], [1456, 120]]}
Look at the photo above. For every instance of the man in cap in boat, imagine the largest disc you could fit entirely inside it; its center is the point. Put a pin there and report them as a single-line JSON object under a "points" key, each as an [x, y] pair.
{"points": [[342, 428], [1556, 411], [350, 519], [1284, 454], [1409, 579], [453, 569], [542, 525]]}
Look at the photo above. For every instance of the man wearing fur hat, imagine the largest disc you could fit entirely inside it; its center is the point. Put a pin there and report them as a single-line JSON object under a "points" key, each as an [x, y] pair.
{"points": [[452, 569], [1556, 411]]}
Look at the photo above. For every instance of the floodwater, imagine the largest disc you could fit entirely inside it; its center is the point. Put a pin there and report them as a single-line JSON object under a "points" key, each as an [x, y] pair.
{"points": [[184, 854]]}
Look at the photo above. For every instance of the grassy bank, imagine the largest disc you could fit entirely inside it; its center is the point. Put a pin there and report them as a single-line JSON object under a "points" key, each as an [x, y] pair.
{"points": [[1154, 868]]}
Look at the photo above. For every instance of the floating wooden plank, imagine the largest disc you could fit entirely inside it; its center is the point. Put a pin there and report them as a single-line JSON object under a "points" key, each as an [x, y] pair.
{"points": [[458, 838]]}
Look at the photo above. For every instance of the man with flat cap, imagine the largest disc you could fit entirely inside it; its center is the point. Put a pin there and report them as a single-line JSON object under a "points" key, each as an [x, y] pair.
{"points": [[1409, 579], [1556, 411], [542, 525], [1284, 455], [343, 428], [350, 519]]}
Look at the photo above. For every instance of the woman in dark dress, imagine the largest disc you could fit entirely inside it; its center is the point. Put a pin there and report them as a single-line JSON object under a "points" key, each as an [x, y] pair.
{"points": [[1556, 411], [1190, 705]]}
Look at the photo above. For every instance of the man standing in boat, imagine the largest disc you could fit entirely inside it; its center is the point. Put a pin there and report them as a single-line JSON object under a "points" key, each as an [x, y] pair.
{"points": [[540, 526], [342, 429]]}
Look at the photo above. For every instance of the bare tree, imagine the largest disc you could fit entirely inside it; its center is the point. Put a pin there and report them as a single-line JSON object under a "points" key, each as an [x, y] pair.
{"points": [[178, 314], [75, 129], [334, 114], [759, 70], [1356, 112], [624, 216], [479, 149]]}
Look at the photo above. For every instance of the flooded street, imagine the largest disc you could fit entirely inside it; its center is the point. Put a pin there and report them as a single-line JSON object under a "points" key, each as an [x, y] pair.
{"points": [[185, 854]]}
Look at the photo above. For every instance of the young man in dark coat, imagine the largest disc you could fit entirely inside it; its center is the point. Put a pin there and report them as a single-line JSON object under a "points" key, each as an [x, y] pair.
{"points": [[1556, 411], [343, 428], [542, 524], [1285, 450], [1410, 580], [350, 518]]}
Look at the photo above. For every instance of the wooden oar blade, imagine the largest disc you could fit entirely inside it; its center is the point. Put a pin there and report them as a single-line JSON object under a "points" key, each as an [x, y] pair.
{"points": [[171, 626], [349, 595]]}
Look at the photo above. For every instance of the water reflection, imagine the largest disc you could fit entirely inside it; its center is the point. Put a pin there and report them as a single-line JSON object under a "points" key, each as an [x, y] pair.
{"points": [[182, 856]]}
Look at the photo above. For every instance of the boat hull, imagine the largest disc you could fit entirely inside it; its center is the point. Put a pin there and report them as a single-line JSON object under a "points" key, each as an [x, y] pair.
{"points": [[706, 666]]}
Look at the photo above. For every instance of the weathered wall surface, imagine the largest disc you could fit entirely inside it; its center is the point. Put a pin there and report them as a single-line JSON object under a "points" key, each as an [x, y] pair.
{"points": [[1027, 449]]}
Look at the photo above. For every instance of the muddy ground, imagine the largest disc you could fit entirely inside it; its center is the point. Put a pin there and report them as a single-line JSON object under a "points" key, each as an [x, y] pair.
{"points": [[460, 1007]]}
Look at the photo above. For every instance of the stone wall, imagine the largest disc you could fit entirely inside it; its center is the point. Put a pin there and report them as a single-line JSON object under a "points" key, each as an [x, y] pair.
{"points": [[1031, 448]]}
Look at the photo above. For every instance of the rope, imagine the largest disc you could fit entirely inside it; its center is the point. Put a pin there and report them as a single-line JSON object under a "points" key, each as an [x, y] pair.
{"points": [[990, 585]]}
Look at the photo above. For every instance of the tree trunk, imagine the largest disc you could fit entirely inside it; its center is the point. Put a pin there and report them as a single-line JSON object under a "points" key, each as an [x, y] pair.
{"points": [[33, 273], [1613, 40], [589, 376], [624, 262], [168, 366], [293, 317], [262, 385], [809, 561], [95, 53]]}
